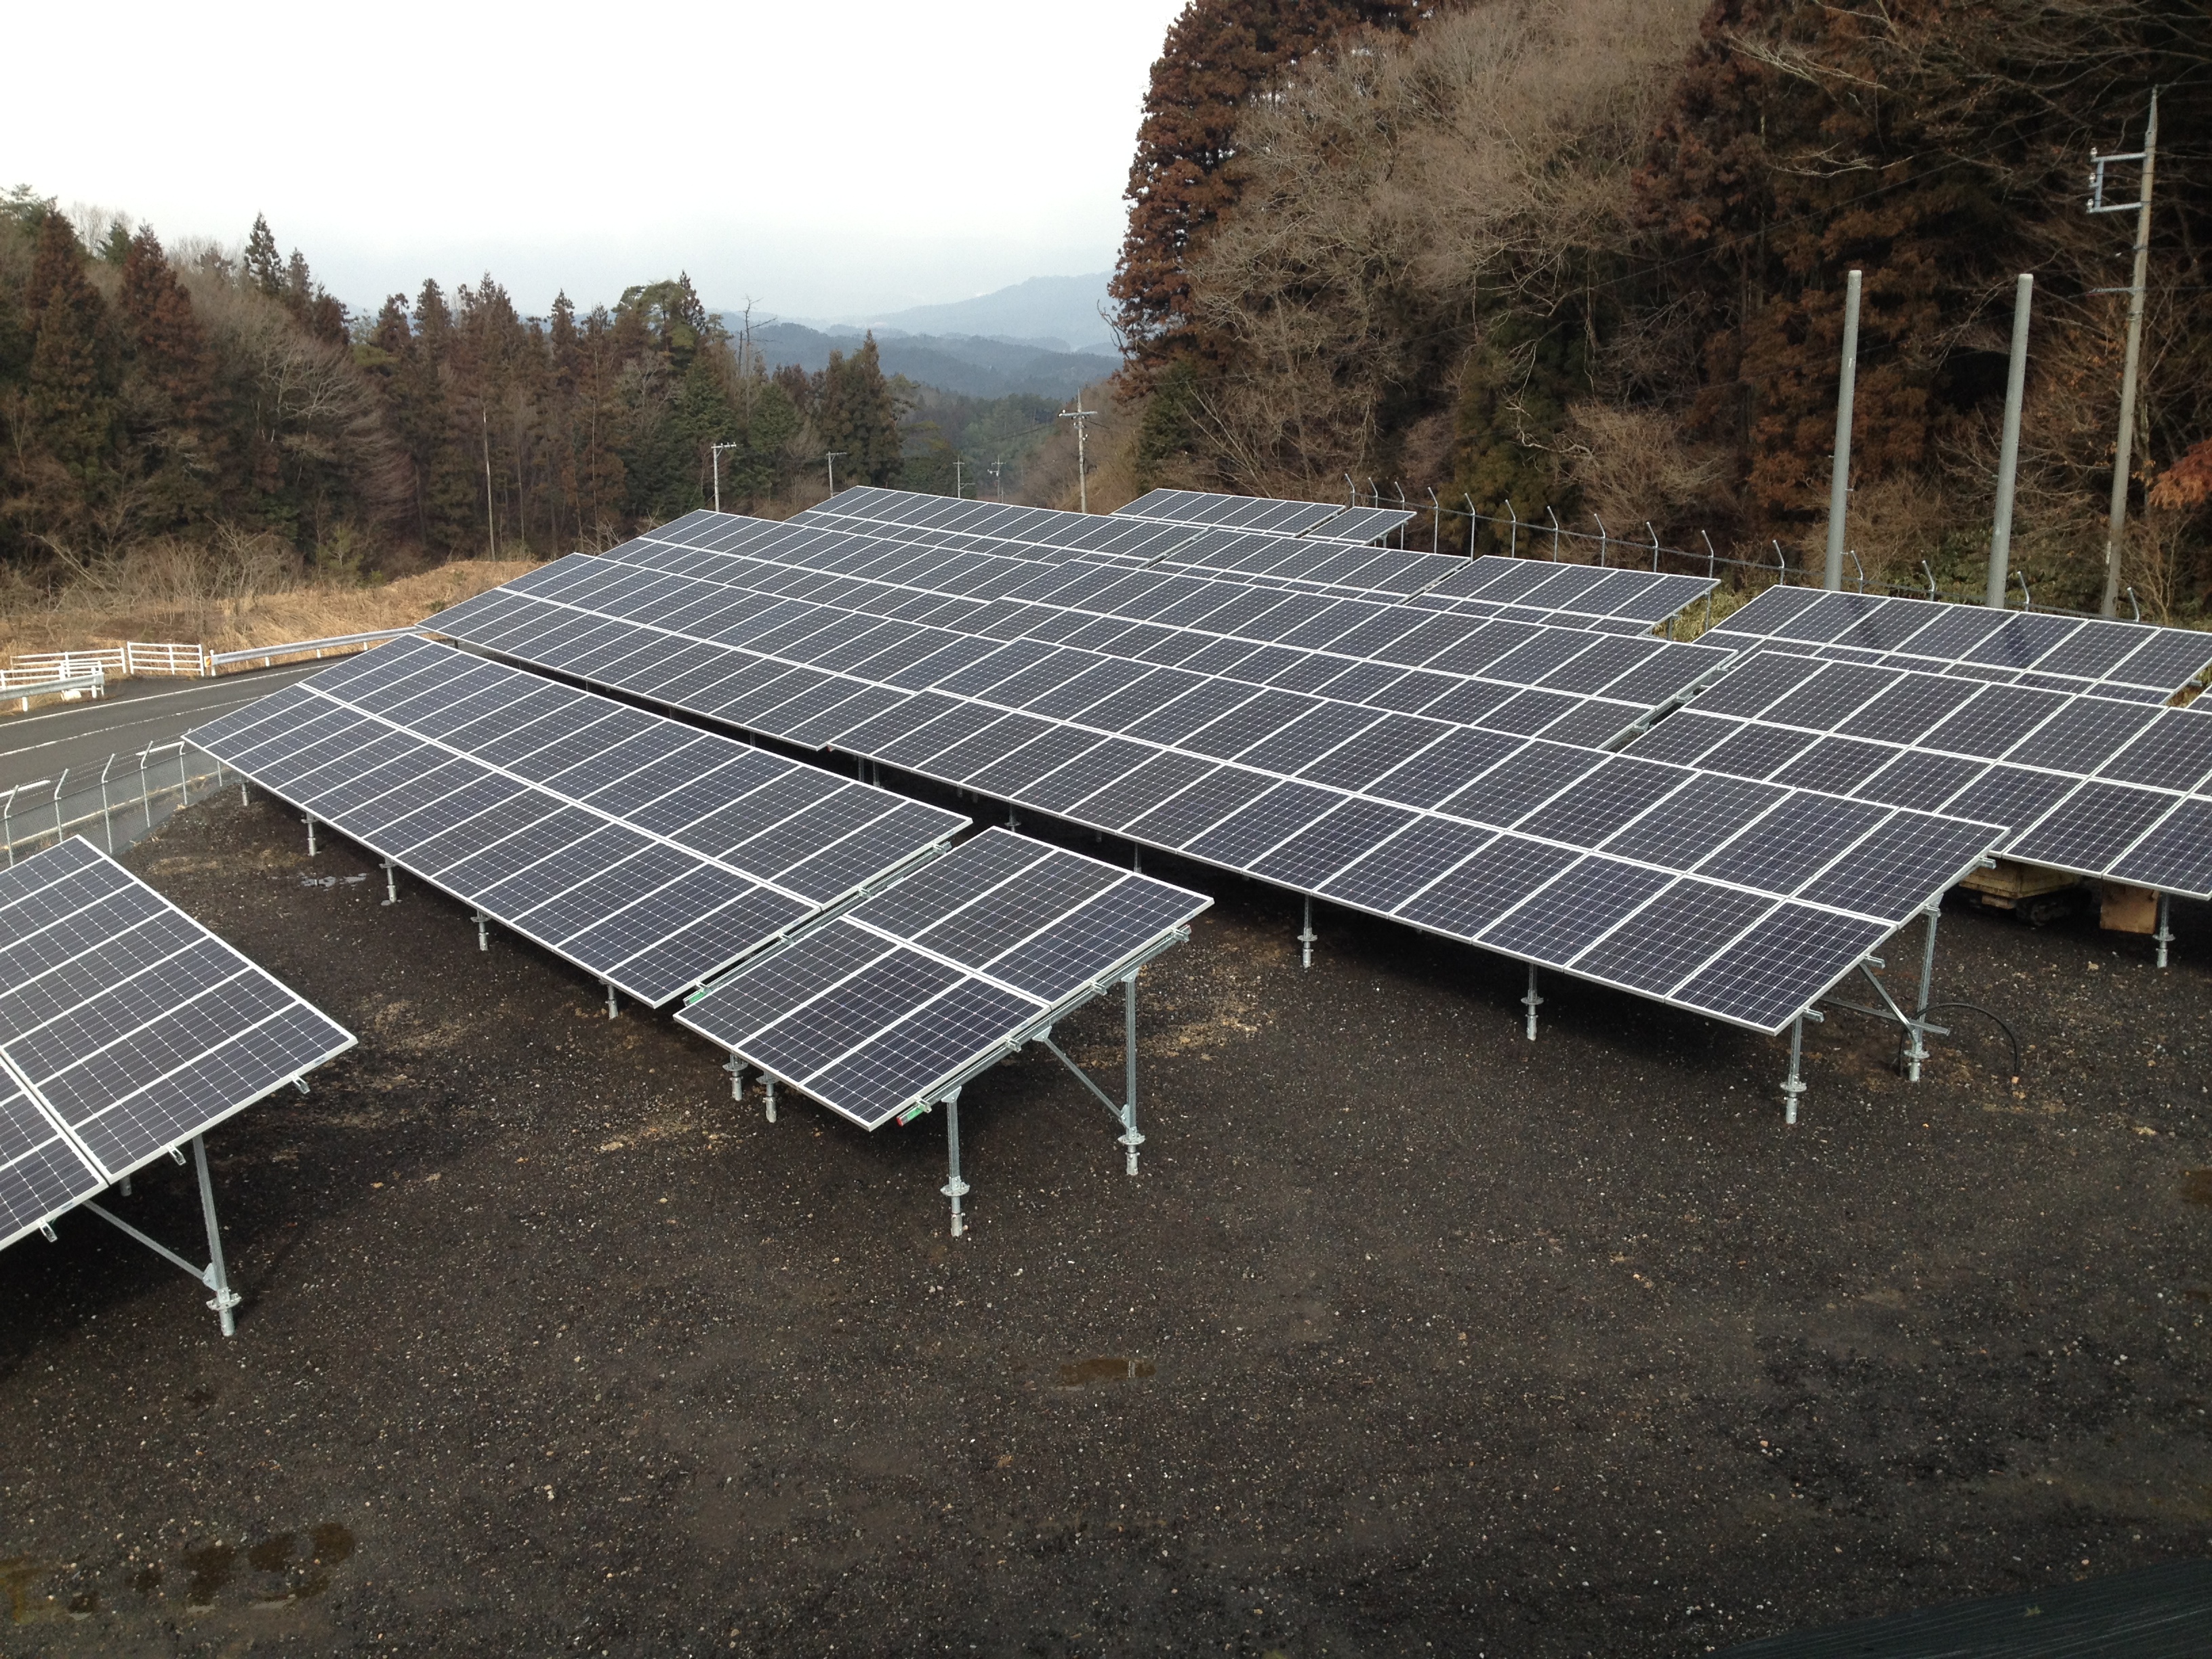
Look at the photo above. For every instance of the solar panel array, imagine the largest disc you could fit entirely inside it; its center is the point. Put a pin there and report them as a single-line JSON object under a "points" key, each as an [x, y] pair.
{"points": [[648, 852], [2132, 661], [125, 1029], [1036, 533], [1505, 675], [1739, 901], [1577, 596], [926, 983], [1320, 519], [2089, 784]]}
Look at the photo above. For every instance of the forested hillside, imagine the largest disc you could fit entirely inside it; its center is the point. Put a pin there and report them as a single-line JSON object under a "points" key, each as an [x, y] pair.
{"points": [[1588, 255], [153, 401]]}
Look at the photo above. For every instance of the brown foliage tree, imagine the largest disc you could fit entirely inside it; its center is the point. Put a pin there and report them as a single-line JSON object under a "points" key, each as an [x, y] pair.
{"points": [[1220, 56]]}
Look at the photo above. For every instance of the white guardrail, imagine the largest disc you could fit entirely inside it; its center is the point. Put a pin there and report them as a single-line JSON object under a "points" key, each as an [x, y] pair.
{"points": [[44, 673], [222, 660], [25, 688]]}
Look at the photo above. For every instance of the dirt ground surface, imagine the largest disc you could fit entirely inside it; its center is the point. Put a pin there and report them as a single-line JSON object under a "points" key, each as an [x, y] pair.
{"points": [[1411, 1335]]}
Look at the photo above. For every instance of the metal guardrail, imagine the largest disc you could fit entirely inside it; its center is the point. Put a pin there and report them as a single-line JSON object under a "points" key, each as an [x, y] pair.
{"points": [[120, 805], [95, 683], [222, 660]]}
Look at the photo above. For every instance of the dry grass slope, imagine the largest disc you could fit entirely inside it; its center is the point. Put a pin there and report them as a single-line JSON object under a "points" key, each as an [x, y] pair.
{"points": [[144, 600]]}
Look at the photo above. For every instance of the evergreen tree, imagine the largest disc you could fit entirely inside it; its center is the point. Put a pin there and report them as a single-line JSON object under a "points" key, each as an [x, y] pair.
{"points": [[172, 382], [72, 375], [264, 267]]}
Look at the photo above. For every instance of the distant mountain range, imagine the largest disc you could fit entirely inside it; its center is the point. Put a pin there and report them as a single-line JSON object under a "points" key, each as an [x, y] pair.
{"points": [[1044, 337]]}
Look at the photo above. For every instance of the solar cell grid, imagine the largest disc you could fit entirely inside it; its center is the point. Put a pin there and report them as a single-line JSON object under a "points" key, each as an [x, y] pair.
{"points": [[561, 865], [2013, 755], [889, 1003], [1254, 826], [2129, 659], [127, 1029]]}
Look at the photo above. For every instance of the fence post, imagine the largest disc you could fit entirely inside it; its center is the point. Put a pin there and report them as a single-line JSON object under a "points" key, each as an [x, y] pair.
{"points": [[146, 789], [106, 813], [55, 805], [1711, 560], [1601, 539], [1554, 518], [7, 833], [1513, 536]]}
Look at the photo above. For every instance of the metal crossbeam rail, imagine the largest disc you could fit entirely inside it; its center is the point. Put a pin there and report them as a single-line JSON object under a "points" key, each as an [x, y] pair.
{"points": [[2091, 785], [2135, 662], [1738, 901], [892, 1008], [126, 1030], [649, 855]]}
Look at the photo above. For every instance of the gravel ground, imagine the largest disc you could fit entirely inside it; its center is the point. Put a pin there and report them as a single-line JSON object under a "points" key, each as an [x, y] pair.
{"points": [[1413, 1335]]}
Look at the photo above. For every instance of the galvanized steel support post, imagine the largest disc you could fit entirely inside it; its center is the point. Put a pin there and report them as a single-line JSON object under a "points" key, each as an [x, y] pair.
{"points": [[1917, 1051], [1130, 1139], [391, 883], [2165, 935], [1532, 1001], [309, 821], [1307, 937], [1793, 1087], [218, 1275], [955, 1189]]}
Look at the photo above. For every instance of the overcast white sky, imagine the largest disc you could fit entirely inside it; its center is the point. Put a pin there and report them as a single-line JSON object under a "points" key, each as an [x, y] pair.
{"points": [[831, 161]]}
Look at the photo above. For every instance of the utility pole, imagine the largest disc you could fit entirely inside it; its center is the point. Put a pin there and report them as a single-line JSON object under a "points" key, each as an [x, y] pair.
{"points": [[2008, 454], [1082, 417], [718, 449], [1840, 479], [832, 459], [998, 487], [2123, 455], [492, 527]]}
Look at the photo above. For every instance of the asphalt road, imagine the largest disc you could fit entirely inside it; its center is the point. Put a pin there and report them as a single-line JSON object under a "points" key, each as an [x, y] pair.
{"points": [[137, 714]]}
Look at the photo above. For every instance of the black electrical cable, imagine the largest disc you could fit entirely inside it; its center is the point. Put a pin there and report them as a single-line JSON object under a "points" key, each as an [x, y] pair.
{"points": [[2011, 1036]]}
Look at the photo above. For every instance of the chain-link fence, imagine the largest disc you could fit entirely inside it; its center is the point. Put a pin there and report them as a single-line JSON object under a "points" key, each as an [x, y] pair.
{"points": [[125, 800]]}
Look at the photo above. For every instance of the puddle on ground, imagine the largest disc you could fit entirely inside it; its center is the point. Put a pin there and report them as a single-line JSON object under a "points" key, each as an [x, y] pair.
{"points": [[2196, 1186], [285, 1566], [1110, 1368], [210, 1566]]}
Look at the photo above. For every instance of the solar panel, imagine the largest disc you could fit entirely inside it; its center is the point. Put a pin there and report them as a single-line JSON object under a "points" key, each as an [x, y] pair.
{"points": [[649, 853], [2135, 662], [1229, 814], [1232, 512], [1115, 748], [2089, 784], [126, 1030], [892, 1004], [1631, 677], [1362, 524]]}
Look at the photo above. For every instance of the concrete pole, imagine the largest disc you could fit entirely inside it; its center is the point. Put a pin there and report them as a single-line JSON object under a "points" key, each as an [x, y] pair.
{"points": [[2115, 532], [1839, 481], [2009, 455]]}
